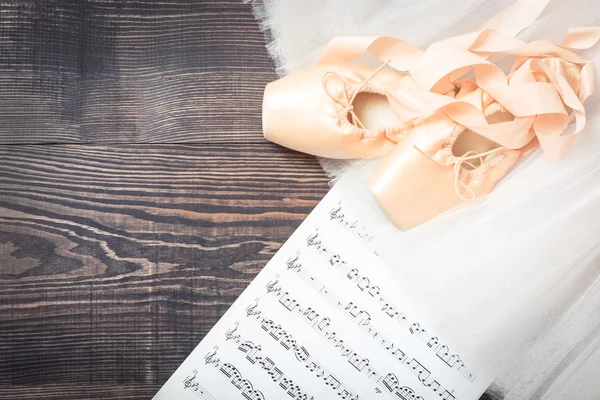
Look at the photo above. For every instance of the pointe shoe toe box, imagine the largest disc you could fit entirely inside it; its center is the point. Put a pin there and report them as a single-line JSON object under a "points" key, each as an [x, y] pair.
{"points": [[411, 189], [299, 114]]}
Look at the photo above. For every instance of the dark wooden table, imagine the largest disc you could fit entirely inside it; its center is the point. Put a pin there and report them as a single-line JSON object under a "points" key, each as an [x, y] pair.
{"points": [[138, 197]]}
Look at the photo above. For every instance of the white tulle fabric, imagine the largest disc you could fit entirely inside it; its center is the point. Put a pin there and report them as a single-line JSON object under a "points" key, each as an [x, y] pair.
{"points": [[514, 276]]}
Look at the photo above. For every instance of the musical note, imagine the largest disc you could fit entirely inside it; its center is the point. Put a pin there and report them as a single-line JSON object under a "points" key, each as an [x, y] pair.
{"points": [[267, 364], [364, 284], [265, 327], [447, 396], [406, 393], [415, 328], [357, 362], [433, 342], [422, 373], [310, 314], [333, 382], [276, 332], [287, 341], [391, 382], [301, 354], [399, 354], [276, 374], [287, 302], [352, 274], [374, 291], [323, 324], [346, 394], [234, 376], [252, 352]]}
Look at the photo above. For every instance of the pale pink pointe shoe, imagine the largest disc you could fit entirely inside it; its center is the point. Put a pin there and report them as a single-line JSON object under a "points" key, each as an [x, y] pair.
{"points": [[438, 166], [441, 164], [335, 111]]}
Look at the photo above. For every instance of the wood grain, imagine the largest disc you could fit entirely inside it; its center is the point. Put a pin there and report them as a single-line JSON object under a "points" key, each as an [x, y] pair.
{"points": [[112, 71], [116, 261], [81, 392]]}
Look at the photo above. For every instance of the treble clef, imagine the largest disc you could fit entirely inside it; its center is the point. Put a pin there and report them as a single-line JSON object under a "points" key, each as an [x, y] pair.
{"points": [[333, 214], [312, 239], [230, 334], [189, 381]]}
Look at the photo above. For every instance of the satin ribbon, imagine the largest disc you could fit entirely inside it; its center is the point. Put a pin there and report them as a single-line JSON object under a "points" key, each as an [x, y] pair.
{"points": [[538, 96]]}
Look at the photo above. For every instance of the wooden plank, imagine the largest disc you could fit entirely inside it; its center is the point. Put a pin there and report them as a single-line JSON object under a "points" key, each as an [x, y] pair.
{"points": [[79, 392], [116, 261], [153, 71]]}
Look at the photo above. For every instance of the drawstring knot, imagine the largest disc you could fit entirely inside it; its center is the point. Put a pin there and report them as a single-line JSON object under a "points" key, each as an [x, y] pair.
{"points": [[348, 103], [458, 164]]}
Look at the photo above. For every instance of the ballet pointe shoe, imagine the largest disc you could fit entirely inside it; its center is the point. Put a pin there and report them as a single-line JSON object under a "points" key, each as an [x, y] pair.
{"points": [[442, 164], [335, 111], [439, 166]]}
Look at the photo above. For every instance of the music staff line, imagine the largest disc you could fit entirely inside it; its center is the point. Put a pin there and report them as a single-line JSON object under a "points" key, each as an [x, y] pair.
{"points": [[192, 384], [441, 350], [388, 382], [352, 226], [360, 318], [234, 376], [254, 355]]}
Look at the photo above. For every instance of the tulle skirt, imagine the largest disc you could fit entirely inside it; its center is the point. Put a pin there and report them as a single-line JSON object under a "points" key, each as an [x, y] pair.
{"points": [[515, 276]]}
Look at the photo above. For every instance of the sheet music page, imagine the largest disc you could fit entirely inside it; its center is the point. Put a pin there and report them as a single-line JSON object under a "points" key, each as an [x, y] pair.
{"points": [[324, 320]]}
